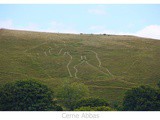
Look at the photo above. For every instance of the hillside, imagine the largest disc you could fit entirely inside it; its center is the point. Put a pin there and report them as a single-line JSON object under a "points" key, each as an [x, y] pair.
{"points": [[108, 64]]}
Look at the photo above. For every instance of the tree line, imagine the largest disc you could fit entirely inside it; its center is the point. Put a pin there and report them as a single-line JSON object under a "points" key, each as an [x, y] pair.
{"points": [[31, 95]]}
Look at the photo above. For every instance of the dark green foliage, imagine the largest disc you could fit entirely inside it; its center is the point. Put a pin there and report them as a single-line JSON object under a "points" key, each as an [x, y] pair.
{"points": [[100, 108], [57, 108], [158, 84], [117, 106], [91, 102], [26, 96], [143, 98], [69, 93], [88, 108]]}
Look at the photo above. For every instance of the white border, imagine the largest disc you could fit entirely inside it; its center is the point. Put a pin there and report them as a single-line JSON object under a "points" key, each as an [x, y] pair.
{"points": [[78, 116]]}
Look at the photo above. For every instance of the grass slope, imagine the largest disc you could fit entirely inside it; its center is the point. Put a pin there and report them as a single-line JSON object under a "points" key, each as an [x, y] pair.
{"points": [[108, 64]]}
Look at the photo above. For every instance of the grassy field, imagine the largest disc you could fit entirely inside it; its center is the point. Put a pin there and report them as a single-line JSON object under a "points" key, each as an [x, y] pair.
{"points": [[108, 64]]}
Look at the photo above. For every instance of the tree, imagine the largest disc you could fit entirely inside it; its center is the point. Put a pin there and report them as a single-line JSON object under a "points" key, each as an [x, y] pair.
{"points": [[69, 93], [91, 102], [143, 98], [26, 95], [158, 84], [100, 108]]}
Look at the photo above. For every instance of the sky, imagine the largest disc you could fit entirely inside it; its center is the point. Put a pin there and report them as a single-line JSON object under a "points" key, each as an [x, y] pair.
{"points": [[140, 20]]}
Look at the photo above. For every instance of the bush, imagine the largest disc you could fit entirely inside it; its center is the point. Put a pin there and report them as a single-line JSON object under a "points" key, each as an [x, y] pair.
{"points": [[69, 93], [143, 98], [26, 96], [57, 108], [88, 108], [91, 102], [117, 106], [104, 108], [158, 84], [100, 108]]}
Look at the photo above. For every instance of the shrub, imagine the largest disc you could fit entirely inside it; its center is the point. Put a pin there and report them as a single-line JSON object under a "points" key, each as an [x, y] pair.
{"points": [[143, 98], [69, 93], [158, 84], [100, 108], [91, 102], [26, 96]]}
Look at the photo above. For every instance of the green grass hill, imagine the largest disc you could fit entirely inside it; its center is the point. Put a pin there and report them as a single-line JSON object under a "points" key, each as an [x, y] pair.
{"points": [[108, 64]]}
